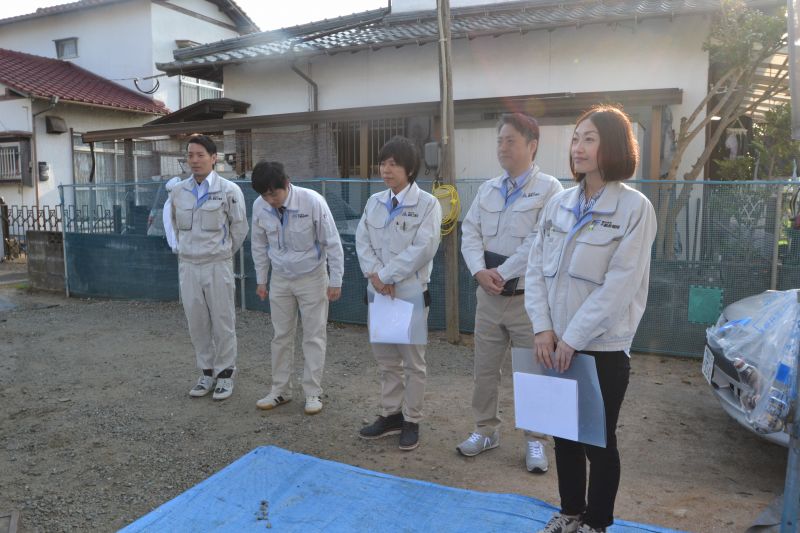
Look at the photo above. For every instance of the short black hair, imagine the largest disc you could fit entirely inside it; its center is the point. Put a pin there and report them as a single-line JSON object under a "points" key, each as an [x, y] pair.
{"points": [[268, 176], [525, 124], [204, 141], [404, 152]]}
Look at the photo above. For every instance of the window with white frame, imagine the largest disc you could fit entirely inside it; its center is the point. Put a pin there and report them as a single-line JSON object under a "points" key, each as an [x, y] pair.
{"points": [[194, 89], [67, 48]]}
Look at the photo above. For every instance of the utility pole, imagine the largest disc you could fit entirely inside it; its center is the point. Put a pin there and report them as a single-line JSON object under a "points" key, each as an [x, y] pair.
{"points": [[790, 514], [446, 169], [793, 32]]}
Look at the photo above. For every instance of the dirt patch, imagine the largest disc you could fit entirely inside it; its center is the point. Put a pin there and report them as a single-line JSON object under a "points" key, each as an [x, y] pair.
{"points": [[98, 428]]}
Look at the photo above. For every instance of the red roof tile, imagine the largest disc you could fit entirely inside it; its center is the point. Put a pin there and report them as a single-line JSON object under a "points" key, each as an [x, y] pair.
{"points": [[43, 77]]}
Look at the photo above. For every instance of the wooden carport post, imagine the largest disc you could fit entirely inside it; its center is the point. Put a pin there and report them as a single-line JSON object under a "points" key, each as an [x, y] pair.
{"points": [[447, 171], [655, 141]]}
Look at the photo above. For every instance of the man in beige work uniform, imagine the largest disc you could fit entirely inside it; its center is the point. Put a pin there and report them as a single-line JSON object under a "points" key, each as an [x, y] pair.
{"points": [[210, 223], [497, 234], [295, 235]]}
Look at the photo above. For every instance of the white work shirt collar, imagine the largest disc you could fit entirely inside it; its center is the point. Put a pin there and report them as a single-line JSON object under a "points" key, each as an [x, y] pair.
{"points": [[400, 196]]}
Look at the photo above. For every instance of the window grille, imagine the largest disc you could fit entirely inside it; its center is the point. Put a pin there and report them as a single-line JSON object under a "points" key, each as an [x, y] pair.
{"points": [[10, 162], [194, 89]]}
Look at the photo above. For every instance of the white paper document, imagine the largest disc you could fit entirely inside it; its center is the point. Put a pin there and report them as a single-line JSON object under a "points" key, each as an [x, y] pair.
{"points": [[546, 404], [169, 232], [390, 320], [582, 370]]}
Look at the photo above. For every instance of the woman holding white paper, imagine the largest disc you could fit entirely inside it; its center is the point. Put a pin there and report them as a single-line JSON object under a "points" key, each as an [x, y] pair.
{"points": [[585, 291], [396, 239]]}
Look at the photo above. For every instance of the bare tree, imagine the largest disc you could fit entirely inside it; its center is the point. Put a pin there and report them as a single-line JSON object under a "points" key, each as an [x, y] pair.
{"points": [[741, 39]]}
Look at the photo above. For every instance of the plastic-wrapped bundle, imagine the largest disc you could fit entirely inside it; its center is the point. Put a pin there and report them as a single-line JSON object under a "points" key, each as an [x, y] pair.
{"points": [[763, 348]]}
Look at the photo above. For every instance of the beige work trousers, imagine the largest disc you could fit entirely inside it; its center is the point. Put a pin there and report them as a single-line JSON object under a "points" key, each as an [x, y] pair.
{"points": [[402, 373], [499, 320], [309, 293], [207, 294]]}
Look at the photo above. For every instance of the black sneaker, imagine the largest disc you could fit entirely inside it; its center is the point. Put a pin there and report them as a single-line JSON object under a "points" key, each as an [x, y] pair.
{"points": [[409, 437], [382, 427]]}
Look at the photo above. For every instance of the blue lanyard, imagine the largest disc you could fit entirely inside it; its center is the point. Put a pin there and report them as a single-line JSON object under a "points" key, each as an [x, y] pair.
{"points": [[196, 191], [393, 212], [520, 183]]}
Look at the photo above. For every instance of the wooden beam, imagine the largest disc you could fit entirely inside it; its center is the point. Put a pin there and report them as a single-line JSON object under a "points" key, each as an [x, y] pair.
{"points": [[193, 14], [129, 164], [363, 150], [544, 105], [655, 142]]}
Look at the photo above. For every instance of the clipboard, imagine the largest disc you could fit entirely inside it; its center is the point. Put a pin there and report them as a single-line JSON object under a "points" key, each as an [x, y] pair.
{"points": [[418, 327], [590, 412]]}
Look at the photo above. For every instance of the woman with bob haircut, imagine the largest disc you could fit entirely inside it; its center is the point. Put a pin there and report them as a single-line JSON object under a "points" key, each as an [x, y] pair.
{"points": [[585, 291]]}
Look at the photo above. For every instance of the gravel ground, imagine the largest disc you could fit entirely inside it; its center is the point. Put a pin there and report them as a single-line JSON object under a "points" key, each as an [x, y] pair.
{"points": [[98, 429]]}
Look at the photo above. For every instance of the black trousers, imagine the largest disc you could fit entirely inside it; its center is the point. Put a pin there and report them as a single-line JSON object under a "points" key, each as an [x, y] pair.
{"points": [[613, 372]]}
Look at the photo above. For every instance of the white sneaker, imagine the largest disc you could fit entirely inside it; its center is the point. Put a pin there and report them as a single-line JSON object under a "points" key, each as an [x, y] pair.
{"points": [[204, 385], [271, 401], [313, 405], [224, 388], [535, 458], [477, 443]]}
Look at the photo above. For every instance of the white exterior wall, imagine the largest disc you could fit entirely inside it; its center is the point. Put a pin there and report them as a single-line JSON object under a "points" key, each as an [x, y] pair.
{"points": [[15, 114], [114, 41], [56, 149], [121, 41], [168, 26], [654, 54]]}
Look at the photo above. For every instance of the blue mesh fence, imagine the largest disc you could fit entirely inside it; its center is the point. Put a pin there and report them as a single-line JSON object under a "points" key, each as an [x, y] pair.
{"points": [[717, 243]]}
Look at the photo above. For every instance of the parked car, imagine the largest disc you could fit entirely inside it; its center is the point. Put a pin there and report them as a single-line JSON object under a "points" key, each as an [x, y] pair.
{"points": [[727, 381], [346, 217]]}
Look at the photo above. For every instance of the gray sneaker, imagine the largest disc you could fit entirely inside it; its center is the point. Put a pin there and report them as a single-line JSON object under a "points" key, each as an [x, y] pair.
{"points": [[477, 443], [535, 458], [562, 523]]}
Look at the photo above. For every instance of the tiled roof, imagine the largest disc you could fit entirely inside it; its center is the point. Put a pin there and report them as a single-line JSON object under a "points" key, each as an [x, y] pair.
{"points": [[379, 28], [243, 22], [43, 77]]}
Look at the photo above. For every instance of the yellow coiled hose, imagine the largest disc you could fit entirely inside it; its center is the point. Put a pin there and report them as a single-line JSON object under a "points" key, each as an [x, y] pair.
{"points": [[448, 197]]}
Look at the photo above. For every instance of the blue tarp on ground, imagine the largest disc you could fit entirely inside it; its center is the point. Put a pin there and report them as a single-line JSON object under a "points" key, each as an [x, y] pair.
{"points": [[271, 489]]}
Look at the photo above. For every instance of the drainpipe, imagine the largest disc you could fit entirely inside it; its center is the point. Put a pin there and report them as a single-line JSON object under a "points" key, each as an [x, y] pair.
{"points": [[314, 107], [34, 151]]}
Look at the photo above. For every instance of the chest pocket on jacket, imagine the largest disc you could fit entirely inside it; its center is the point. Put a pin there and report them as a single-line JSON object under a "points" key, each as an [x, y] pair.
{"points": [[301, 234], [491, 207], [593, 251], [552, 249], [184, 210], [271, 228], [525, 212], [212, 215], [376, 221], [403, 231]]}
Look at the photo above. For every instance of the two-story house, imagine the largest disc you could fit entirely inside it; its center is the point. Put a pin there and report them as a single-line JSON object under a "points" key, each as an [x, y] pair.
{"points": [[91, 64]]}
